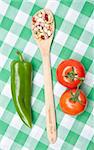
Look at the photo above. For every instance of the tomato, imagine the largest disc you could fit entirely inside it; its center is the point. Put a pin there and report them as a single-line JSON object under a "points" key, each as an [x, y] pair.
{"points": [[70, 72], [73, 101]]}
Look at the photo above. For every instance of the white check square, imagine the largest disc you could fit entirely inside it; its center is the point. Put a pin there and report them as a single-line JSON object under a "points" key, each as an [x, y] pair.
{"points": [[43, 111], [3, 7], [11, 39], [32, 1], [16, 122], [89, 79], [61, 37], [33, 101], [80, 48], [1, 111], [93, 110], [67, 121], [59, 89], [38, 80], [57, 145], [21, 18], [90, 26], [72, 15], [52, 5], [5, 143], [87, 132], [3, 60], [36, 132], [53, 59], [7, 91], [24, 148], [75, 148], [30, 49]]}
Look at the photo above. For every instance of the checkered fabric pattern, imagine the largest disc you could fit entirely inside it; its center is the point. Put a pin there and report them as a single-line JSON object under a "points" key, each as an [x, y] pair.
{"points": [[74, 38]]}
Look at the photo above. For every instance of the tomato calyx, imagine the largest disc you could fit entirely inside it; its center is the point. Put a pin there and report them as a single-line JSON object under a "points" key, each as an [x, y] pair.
{"points": [[75, 97], [72, 75]]}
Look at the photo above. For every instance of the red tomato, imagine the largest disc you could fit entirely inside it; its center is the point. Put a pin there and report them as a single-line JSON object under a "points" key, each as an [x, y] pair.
{"points": [[70, 72], [73, 102]]}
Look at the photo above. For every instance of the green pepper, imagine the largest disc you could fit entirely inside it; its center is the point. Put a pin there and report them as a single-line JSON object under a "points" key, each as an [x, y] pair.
{"points": [[21, 74]]}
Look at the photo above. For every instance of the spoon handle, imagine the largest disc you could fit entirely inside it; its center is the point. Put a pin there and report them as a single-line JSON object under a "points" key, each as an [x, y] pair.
{"points": [[49, 101]]}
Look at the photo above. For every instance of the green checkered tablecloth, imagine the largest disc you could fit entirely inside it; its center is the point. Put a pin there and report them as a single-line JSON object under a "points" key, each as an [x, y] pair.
{"points": [[74, 38]]}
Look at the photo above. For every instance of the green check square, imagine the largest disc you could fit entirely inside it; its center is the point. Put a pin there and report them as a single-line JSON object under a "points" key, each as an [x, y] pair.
{"points": [[71, 42], [77, 127], [58, 21], [3, 35], [41, 3], [86, 37], [36, 64], [65, 53], [90, 121], [41, 95], [82, 20], [66, 27], [26, 33], [86, 62], [16, 146], [11, 107], [4, 75], [92, 42], [1, 43], [91, 94], [21, 138], [7, 116], [16, 28], [76, 32], [41, 146], [20, 44], [91, 69], [72, 138], [82, 143], [88, 9], [6, 23], [13, 54], [3, 127], [30, 143], [76, 56], [11, 12], [58, 107], [90, 53], [11, 132], [35, 116], [54, 74], [90, 146], [66, 146], [16, 4], [62, 8], [35, 9], [26, 7], [83, 117], [66, 2]]}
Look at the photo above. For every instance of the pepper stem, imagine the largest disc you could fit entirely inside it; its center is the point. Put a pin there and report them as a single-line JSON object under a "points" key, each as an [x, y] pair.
{"points": [[20, 56]]}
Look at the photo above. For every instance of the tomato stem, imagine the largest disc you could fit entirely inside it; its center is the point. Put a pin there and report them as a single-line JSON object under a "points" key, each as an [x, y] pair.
{"points": [[75, 97]]}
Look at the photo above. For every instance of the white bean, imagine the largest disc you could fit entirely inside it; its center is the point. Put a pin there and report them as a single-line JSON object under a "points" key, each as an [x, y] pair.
{"points": [[49, 32], [45, 29]]}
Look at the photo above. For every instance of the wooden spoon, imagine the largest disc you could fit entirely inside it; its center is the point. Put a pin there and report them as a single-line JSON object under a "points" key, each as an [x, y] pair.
{"points": [[44, 46]]}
